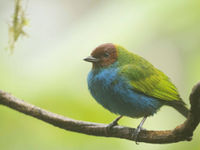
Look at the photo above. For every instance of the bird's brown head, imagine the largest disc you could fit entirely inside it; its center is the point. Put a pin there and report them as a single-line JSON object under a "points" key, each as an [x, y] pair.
{"points": [[103, 56]]}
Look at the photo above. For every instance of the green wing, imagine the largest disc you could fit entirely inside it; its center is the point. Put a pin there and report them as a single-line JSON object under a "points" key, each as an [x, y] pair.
{"points": [[150, 81]]}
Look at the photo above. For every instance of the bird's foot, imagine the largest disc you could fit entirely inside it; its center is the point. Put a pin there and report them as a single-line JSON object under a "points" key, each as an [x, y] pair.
{"points": [[136, 133], [112, 124]]}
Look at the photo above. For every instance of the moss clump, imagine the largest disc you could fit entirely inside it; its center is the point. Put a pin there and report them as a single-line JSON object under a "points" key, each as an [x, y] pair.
{"points": [[16, 29]]}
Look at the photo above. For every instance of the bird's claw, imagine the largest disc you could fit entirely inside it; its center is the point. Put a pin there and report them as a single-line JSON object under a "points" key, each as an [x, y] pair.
{"points": [[136, 133], [110, 126]]}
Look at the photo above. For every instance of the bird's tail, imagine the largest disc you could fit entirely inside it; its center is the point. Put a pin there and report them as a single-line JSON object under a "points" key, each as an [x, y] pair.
{"points": [[180, 107]]}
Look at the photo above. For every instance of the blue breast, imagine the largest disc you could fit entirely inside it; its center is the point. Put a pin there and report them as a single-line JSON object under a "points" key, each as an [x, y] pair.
{"points": [[115, 93]]}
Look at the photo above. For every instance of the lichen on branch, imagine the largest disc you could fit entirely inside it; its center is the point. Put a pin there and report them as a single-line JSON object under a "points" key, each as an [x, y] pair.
{"points": [[16, 27]]}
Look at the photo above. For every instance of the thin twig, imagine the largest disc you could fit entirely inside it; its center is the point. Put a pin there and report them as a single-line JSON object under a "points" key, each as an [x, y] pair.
{"points": [[180, 133]]}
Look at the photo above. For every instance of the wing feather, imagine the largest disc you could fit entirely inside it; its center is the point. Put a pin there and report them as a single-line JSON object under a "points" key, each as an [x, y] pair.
{"points": [[150, 81]]}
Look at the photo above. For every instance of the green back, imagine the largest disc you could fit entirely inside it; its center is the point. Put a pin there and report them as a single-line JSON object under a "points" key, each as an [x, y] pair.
{"points": [[144, 77]]}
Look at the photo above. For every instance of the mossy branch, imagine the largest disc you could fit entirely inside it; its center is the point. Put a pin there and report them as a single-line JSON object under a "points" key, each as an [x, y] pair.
{"points": [[180, 133]]}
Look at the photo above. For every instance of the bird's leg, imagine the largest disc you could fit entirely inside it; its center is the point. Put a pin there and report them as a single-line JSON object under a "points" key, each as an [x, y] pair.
{"points": [[114, 123], [137, 131]]}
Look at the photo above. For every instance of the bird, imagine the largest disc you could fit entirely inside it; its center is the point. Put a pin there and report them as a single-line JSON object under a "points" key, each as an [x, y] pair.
{"points": [[128, 85]]}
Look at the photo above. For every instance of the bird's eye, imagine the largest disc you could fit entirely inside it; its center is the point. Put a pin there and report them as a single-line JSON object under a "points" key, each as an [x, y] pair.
{"points": [[106, 54]]}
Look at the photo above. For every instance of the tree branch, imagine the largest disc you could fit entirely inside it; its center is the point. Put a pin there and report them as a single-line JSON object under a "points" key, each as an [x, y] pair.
{"points": [[180, 133]]}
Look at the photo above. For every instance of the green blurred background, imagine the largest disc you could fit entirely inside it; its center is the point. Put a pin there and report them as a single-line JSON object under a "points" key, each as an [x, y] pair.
{"points": [[46, 69]]}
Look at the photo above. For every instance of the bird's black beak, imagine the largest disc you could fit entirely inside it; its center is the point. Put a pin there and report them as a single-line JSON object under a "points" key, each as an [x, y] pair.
{"points": [[91, 59]]}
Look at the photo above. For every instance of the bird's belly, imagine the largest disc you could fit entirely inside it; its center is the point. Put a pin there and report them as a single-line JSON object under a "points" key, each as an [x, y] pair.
{"points": [[115, 94]]}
